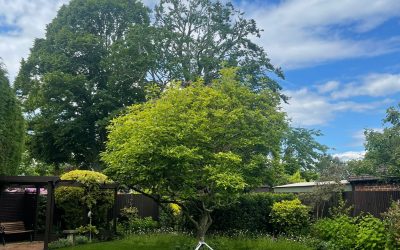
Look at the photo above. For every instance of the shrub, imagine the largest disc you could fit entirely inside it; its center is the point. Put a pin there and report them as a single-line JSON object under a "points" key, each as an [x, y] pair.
{"points": [[130, 222], [371, 233], [339, 233], [344, 232], [61, 243], [392, 219], [80, 240], [251, 213], [74, 202], [290, 216]]}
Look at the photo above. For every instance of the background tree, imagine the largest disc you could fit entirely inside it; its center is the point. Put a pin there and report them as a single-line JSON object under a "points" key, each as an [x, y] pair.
{"points": [[11, 128], [302, 152], [198, 146], [69, 85], [383, 148], [196, 38]]}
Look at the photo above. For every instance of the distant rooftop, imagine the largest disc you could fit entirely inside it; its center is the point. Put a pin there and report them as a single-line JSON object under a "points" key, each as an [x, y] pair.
{"points": [[301, 187]]}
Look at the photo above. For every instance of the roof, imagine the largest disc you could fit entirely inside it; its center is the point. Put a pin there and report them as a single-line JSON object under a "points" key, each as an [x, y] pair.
{"points": [[29, 180], [301, 187], [310, 184], [362, 178]]}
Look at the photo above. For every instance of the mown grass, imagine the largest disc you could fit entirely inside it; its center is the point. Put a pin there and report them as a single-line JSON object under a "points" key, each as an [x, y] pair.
{"points": [[183, 242]]}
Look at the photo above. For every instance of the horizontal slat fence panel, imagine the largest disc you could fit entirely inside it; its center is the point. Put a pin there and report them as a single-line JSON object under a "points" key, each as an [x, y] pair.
{"points": [[145, 205]]}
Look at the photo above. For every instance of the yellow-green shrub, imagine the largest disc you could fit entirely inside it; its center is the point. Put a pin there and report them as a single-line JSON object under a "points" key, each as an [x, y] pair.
{"points": [[75, 202], [290, 216]]}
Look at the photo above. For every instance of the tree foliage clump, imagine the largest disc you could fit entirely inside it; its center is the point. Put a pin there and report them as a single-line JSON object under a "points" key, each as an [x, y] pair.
{"points": [[69, 85], [382, 149], [301, 152], [199, 37], [75, 202], [199, 145], [12, 128]]}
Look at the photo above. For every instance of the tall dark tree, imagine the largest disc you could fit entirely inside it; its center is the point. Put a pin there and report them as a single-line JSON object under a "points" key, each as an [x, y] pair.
{"points": [[69, 85], [196, 38], [11, 128]]}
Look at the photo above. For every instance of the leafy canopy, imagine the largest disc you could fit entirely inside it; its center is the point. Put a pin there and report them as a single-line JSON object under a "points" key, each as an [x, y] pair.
{"points": [[11, 128], [201, 145], [69, 85], [382, 148]]}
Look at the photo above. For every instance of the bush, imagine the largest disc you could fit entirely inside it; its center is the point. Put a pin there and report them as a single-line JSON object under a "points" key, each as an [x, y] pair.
{"points": [[130, 222], [339, 233], [80, 240], [74, 202], [392, 219], [345, 232], [61, 243], [251, 213], [290, 217], [371, 233]]}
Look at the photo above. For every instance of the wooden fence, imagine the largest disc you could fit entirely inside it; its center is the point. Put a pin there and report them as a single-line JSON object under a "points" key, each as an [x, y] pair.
{"points": [[20, 206], [146, 206], [373, 202]]}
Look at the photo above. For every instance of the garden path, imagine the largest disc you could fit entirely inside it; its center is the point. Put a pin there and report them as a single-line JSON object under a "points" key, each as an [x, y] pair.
{"points": [[36, 245]]}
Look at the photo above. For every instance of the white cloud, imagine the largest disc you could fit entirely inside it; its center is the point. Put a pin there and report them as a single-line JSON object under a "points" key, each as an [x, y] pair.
{"points": [[328, 87], [358, 138], [350, 155], [374, 85], [300, 33], [309, 108], [28, 19]]}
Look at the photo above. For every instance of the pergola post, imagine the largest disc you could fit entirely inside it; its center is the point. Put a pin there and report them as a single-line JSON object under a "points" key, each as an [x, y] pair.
{"points": [[115, 212], [36, 212], [49, 214]]}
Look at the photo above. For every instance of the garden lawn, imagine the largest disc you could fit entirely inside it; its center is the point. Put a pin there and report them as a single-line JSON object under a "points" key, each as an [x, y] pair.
{"points": [[182, 242]]}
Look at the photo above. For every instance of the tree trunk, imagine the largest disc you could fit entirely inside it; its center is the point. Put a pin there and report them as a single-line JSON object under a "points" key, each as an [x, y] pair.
{"points": [[203, 225]]}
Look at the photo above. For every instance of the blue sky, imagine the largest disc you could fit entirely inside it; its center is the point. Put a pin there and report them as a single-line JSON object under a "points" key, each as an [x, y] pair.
{"points": [[340, 58]]}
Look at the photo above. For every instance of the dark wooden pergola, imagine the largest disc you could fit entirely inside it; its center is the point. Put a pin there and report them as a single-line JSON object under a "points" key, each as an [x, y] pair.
{"points": [[50, 183]]}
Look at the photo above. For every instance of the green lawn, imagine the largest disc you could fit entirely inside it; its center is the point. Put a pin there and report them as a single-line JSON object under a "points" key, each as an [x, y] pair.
{"points": [[181, 242]]}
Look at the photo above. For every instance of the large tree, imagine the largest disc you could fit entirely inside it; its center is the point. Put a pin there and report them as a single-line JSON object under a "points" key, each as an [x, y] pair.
{"points": [[11, 128], [196, 38], [71, 85], [198, 146], [301, 152]]}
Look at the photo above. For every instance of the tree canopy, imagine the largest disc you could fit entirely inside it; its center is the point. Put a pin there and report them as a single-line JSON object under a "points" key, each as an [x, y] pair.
{"points": [[100, 56], [301, 152], [11, 128], [65, 85], [199, 37], [199, 146], [383, 147]]}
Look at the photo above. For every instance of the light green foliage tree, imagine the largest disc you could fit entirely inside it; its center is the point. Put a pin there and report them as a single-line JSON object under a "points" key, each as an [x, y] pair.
{"points": [[302, 152], [11, 128], [71, 83], [199, 146]]}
